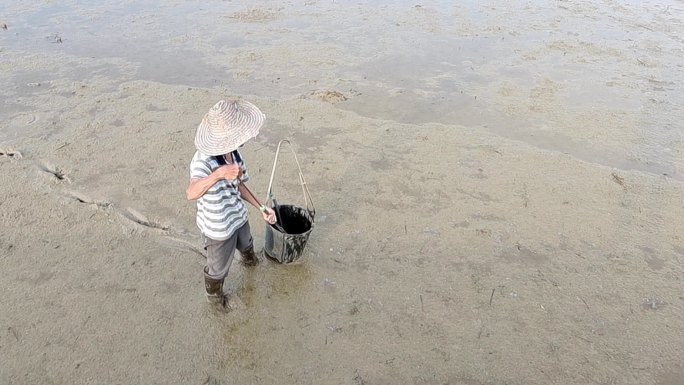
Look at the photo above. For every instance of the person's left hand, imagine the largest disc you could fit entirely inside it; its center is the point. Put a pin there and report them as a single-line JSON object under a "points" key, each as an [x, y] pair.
{"points": [[269, 216]]}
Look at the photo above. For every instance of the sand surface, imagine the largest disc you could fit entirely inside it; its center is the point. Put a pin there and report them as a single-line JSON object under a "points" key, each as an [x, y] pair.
{"points": [[499, 192]]}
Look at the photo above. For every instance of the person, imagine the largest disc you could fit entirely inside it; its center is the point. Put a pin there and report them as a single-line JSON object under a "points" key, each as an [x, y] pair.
{"points": [[217, 181]]}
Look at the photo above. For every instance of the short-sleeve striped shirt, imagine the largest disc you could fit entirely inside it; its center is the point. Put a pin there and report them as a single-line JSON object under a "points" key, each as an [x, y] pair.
{"points": [[220, 211]]}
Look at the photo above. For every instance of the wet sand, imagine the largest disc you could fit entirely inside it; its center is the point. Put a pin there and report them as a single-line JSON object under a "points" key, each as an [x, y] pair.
{"points": [[498, 188]]}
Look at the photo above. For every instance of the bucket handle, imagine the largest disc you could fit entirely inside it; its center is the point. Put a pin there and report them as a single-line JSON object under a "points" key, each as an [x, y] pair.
{"points": [[305, 188]]}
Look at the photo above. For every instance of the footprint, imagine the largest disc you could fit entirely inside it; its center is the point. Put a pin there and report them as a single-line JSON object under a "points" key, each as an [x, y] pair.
{"points": [[82, 198], [10, 153], [236, 303], [137, 217], [55, 171], [23, 118]]}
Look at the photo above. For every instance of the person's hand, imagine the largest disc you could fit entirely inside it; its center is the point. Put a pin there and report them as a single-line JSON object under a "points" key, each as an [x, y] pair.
{"points": [[269, 215], [228, 172]]}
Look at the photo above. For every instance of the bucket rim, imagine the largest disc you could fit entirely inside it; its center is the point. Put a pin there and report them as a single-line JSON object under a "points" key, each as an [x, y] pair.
{"points": [[307, 214]]}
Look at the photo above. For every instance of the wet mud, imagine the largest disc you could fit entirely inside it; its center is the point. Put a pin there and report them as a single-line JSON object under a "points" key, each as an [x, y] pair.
{"points": [[498, 189]]}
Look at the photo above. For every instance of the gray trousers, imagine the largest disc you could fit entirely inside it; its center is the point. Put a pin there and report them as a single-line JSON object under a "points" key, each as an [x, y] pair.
{"points": [[220, 253]]}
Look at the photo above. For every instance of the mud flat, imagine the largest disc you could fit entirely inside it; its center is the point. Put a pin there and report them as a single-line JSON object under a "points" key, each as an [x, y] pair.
{"points": [[479, 221]]}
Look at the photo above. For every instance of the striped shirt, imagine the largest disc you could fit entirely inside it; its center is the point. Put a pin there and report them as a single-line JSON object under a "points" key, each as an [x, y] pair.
{"points": [[220, 211]]}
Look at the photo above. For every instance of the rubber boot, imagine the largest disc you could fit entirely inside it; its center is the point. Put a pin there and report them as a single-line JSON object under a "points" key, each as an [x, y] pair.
{"points": [[215, 296], [249, 257]]}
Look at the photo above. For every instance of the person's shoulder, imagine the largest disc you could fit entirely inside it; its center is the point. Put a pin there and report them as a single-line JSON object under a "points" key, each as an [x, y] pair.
{"points": [[203, 160], [201, 157]]}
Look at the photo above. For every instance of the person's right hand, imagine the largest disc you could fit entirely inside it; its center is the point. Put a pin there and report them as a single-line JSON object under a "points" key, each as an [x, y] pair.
{"points": [[228, 172]]}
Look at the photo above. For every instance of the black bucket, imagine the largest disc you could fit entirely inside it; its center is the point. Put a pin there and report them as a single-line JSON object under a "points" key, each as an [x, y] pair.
{"points": [[286, 240]]}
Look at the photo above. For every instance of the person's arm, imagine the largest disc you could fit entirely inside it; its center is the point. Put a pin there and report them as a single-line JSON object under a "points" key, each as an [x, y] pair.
{"points": [[266, 212], [199, 186]]}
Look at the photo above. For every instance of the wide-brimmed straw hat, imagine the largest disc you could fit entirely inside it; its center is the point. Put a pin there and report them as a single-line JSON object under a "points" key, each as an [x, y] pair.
{"points": [[227, 126]]}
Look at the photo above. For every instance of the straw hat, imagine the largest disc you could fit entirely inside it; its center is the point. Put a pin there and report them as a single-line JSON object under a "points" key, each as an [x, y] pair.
{"points": [[227, 126]]}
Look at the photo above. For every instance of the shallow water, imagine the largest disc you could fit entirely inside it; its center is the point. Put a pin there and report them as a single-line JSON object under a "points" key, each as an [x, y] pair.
{"points": [[601, 87]]}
